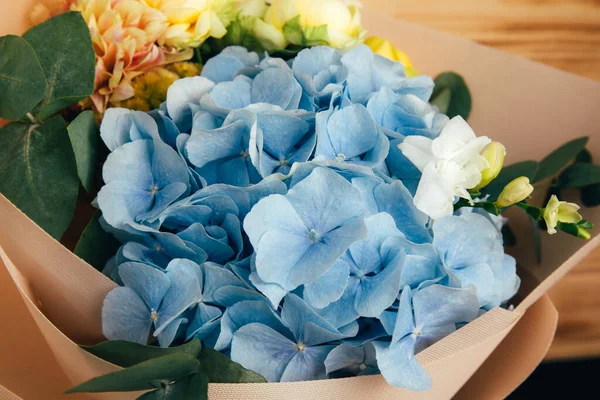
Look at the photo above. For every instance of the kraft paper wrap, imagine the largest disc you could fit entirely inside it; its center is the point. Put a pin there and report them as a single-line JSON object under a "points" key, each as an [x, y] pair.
{"points": [[50, 299]]}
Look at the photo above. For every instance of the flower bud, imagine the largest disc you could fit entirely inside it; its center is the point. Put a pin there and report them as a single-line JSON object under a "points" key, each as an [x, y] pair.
{"points": [[386, 49], [560, 211], [516, 191], [494, 154]]}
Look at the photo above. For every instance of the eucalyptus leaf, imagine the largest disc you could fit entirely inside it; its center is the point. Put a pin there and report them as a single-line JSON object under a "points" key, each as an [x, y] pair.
{"points": [[143, 376], [64, 48], [38, 172], [579, 175], [127, 354], [559, 158], [84, 140], [460, 97], [96, 246], [584, 157], [22, 81], [442, 100], [221, 369], [507, 175]]}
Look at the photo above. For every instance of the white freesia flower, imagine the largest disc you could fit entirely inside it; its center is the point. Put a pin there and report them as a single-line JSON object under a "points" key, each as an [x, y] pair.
{"points": [[451, 165]]}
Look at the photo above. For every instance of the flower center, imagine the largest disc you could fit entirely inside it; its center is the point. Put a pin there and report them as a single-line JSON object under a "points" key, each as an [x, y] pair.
{"points": [[314, 236], [362, 366], [153, 190], [340, 157], [416, 332], [283, 162], [153, 315], [301, 347], [158, 248], [245, 154]]}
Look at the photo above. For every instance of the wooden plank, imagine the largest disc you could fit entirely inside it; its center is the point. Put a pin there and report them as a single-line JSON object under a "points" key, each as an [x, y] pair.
{"points": [[564, 34]]}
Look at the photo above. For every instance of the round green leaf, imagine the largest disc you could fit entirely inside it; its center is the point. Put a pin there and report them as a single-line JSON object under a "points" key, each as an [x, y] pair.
{"points": [[22, 82], [559, 158], [96, 246], [64, 47], [580, 175], [38, 172], [451, 94], [221, 369]]}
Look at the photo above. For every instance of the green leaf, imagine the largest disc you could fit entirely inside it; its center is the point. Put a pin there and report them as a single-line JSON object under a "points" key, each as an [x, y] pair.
{"points": [[64, 47], [143, 376], [316, 36], [96, 246], [127, 354], [221, 369], [537, 240], [193, 387], [84, 139], [38, 172], [22, 81], [442, 100], [584, 157], [293, 31], [508, 236], [460, 96], [507, 175], [579, 175], [559, 158], [590, 195]]}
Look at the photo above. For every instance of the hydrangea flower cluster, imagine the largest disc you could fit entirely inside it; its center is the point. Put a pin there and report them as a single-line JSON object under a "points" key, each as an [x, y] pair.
{"points": [[267, 208]]}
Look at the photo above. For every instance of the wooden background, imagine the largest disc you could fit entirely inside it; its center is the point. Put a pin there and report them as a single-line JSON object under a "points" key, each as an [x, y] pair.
{"points": [[564, 34]]}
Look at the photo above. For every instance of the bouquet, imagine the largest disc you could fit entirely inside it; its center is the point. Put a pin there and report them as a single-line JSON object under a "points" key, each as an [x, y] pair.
{"points": [[276, 201]]}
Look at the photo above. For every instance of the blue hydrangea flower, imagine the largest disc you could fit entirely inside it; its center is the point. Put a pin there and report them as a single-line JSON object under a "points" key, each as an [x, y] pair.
{"points": [[299, 236], [225, 66], [367, 73], [346, 360], [321, 73], [150, 299], [394, 199], [279, 139], [275, 85], [223, 155], [183, 101], [350, 135], [365, 280], [142, 179], [296, 355], [120, 126], [421, 320], [405, 114], [471, 249]]}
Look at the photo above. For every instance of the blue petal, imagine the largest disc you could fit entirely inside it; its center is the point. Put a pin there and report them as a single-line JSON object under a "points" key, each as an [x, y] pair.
{"points": [[244, 313], [125, 316], [206, 319], [399, 367], [150, 284], [262, 350], [307, 365], [225, 65], [182, 96], [329, 287], [170, 332]]}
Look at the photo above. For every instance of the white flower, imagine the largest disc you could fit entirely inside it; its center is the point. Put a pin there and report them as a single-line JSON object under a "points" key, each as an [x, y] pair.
{"points": [[451, 165]]}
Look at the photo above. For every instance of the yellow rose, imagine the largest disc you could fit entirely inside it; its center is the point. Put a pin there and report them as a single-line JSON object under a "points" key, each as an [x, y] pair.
{"points": [[342, 18], [191, 22], [386, 49]]}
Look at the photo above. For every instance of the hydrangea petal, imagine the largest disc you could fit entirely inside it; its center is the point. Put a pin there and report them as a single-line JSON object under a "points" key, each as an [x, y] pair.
{"points": [[125, 316], [307, 365]]}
